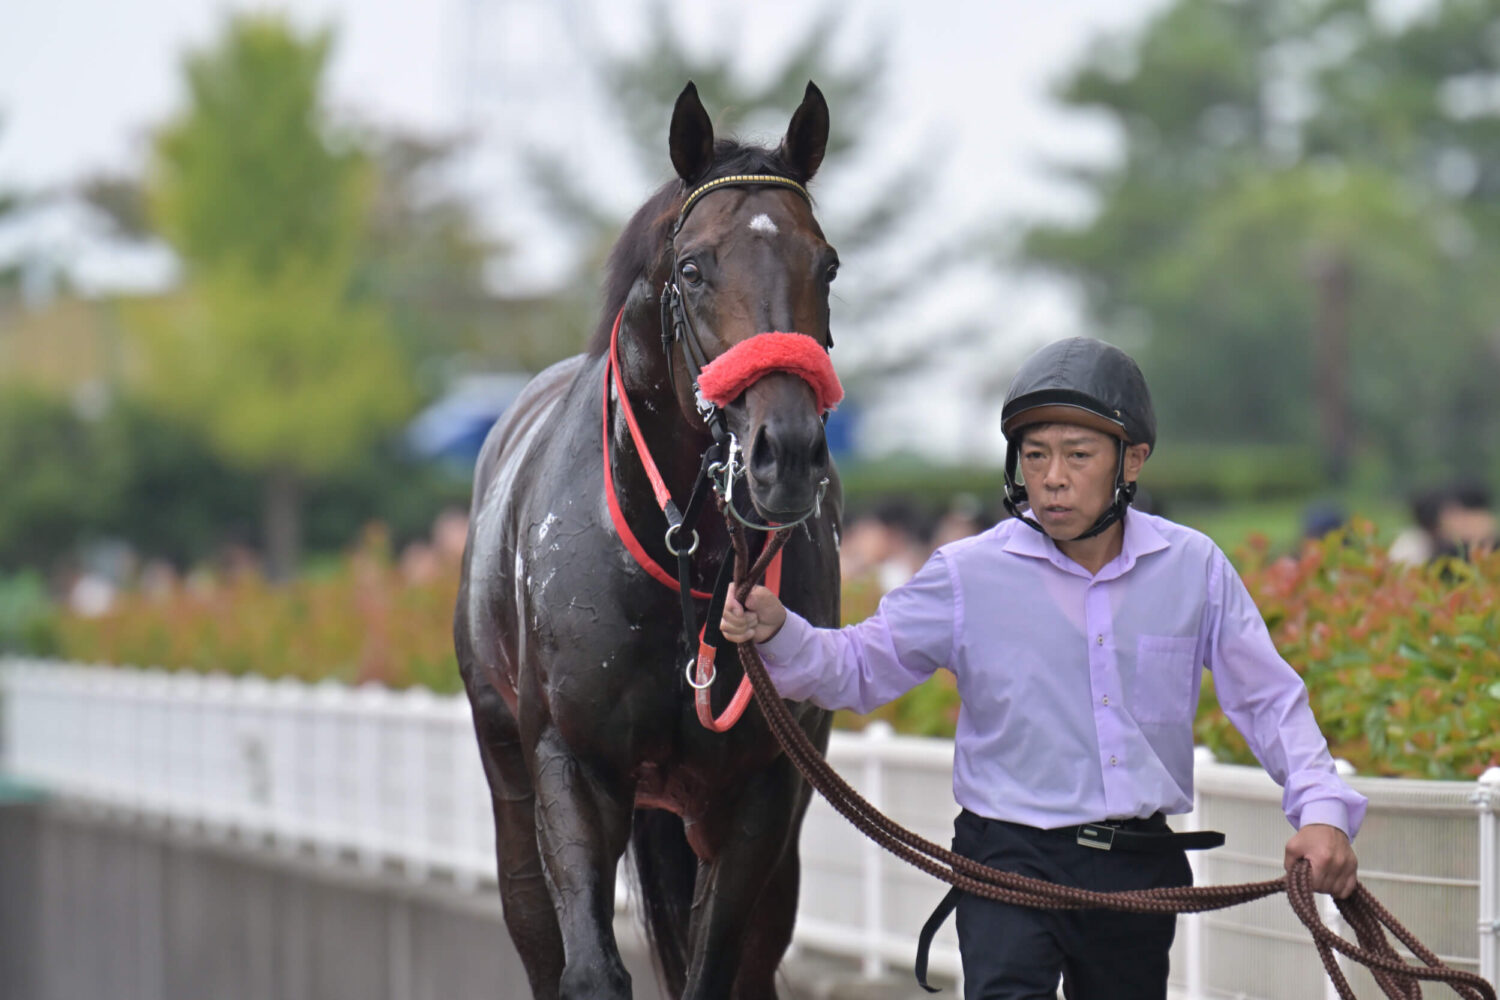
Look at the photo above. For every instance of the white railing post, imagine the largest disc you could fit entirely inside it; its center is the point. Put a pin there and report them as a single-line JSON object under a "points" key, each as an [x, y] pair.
{"points": [[289, 756], [876, 733], [374, 709], [1486, 799], [1330, 907], [417, 710], [468, 859], [252, 812], [1193, 922]]}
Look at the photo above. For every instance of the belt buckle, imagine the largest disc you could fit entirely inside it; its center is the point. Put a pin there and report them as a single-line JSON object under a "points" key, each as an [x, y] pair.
{"points": [[1100, 838]]}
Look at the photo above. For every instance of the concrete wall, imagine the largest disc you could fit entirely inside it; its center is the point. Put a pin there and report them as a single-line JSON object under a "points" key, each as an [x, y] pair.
{"points": [[94, 906]]}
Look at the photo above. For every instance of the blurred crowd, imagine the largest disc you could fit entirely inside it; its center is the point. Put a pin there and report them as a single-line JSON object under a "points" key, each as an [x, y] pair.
{"points": [[889, 541], [1454, 519]]}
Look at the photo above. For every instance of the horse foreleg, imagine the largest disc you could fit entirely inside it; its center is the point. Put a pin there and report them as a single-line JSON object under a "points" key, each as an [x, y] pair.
{"points": [[582, 831], [529, 916], [757, 838]]}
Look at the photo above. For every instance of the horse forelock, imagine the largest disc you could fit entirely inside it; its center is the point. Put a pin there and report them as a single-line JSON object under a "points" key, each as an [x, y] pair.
{"points": [[644, 239]]}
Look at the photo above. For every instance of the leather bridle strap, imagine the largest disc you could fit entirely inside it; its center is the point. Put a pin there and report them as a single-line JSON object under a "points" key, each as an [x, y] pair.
{"points": [[658, 485]]}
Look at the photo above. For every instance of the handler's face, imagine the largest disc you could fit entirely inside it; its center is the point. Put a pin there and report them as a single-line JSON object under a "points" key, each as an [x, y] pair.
{"points": [[1070, 475]]}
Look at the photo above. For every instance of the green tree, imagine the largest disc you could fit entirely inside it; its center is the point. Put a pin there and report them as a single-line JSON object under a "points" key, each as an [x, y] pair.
{"points": [[1280, 240], [287, 371]]}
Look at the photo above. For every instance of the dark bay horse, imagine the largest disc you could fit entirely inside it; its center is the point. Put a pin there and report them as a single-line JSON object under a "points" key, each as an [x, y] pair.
{"points": [[572, 652]]}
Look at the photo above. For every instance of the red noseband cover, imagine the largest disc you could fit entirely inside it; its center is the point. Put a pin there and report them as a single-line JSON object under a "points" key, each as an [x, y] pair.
{"points": [[724, 378]]}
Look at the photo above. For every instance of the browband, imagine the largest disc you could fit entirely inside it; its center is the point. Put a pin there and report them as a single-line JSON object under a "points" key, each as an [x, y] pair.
{"points": [[735, 180]]}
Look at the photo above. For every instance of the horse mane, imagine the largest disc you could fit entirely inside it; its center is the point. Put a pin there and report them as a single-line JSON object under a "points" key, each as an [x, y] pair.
{"points": [[644, 238]]}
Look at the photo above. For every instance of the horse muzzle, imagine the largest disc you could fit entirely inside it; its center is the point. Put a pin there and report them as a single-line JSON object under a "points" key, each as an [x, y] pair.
{"points": [[788, 383]]}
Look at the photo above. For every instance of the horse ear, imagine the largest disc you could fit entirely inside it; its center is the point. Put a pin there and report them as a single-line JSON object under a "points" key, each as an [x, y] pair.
{"points": [[807, 135], [691, 139]]}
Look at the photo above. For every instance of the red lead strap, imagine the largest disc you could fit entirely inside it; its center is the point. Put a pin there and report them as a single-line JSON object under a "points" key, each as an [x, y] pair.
{"points": [[702, 690], [706, 652]]}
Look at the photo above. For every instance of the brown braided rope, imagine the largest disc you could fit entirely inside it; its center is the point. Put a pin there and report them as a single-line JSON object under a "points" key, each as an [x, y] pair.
{"points": [[1361, 910]]}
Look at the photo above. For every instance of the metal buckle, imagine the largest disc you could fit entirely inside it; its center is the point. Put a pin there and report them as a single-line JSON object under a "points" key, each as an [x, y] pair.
{"points": [[1099, 837]]}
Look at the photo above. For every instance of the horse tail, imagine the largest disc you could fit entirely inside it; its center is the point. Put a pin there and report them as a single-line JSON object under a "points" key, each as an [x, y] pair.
{"points": [[666, 870]]}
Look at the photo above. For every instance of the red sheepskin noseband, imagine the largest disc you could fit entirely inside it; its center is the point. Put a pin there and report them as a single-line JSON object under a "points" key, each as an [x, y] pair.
{"points": [[724, 378]]}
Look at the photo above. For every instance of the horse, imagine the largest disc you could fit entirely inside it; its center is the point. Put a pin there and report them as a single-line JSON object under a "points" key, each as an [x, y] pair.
{"points": [[568, 629]]}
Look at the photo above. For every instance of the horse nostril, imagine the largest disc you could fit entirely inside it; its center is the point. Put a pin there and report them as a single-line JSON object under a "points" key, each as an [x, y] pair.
{"points": [[763, 454]]}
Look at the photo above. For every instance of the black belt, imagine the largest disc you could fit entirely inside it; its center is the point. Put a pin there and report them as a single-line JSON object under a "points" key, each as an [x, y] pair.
{"points": [[1121, 837], [1132, 835]]}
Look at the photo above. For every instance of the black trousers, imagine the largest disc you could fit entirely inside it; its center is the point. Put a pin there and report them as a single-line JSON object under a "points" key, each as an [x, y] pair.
{"points": [[1018, 953]]}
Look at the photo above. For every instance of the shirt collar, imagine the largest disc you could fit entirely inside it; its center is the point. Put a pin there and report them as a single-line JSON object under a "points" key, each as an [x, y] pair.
{"points": [[1141, 538]]}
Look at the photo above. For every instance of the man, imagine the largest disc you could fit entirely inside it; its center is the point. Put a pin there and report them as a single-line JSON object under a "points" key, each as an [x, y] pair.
{"points": [[1077, 632]]}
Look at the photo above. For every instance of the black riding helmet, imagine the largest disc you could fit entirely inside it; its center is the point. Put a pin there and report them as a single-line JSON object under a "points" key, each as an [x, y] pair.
{"points": [[1078, 381]]}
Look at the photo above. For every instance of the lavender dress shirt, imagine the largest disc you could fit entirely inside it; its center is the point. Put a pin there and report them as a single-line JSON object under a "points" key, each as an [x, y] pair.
{"points": [[1078, 692]]}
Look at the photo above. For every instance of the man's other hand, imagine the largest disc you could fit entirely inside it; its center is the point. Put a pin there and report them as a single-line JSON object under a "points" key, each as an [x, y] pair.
{"points": [[1335, 869]]}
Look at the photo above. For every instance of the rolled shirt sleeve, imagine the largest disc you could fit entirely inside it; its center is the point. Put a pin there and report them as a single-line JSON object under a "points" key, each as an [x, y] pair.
{"points": [[1267, 702], [861, 667]]}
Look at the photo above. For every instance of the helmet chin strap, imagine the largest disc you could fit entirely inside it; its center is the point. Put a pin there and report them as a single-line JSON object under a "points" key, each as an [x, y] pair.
{"points": [[1017, 501]]}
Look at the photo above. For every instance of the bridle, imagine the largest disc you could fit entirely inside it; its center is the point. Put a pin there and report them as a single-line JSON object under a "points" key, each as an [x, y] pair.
{"points": [[677, 327]]}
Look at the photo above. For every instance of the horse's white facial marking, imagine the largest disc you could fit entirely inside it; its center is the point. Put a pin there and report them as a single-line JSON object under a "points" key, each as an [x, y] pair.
{"points": [[762, 224]]}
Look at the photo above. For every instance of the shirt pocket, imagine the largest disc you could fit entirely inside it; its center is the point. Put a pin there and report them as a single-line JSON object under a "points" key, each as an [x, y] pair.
{"points": [[1164, 669]]}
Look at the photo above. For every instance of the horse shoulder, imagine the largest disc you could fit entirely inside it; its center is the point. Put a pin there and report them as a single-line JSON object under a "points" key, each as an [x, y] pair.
{"points": [[513, 430]]}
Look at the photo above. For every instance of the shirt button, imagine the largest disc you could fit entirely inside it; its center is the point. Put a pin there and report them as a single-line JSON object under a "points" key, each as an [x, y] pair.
{"points": [[1113, 762], [1100, 640], [1106, 699]]}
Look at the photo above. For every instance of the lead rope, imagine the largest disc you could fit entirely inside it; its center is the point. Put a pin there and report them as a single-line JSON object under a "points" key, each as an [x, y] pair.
{"points": [[1364, 913]]}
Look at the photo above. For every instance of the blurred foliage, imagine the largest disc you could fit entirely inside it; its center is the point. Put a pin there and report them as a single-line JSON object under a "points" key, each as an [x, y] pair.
{"points": [[881, 265], [267, 351], [1266, 147], [925, 485], [1231, 474], [252, 175], [133, 474], [1402, 663], [365, 619], [28, 619], [58, 475]]}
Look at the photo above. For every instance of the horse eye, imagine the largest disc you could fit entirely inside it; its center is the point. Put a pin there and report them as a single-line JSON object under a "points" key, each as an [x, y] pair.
{"points": [[832, 272], [690, 273]]}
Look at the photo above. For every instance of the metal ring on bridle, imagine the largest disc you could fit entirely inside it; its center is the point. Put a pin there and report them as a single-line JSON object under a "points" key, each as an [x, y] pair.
{"points": [[713, 672], [672, 533]]}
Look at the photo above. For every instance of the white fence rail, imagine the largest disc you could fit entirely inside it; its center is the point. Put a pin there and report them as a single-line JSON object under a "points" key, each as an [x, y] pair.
{"points": [[389, 778]]}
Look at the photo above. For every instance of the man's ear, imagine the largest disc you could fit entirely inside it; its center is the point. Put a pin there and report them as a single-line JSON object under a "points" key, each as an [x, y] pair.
{"points": [[1135, 457]]}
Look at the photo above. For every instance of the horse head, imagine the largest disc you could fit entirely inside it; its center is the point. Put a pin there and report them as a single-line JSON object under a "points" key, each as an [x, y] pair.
{"points": [[747, 258]]}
